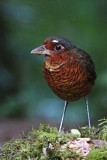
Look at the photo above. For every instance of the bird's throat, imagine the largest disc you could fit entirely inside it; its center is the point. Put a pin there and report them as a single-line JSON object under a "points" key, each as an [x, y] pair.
{"points": [[52, 66], [55, 62]]}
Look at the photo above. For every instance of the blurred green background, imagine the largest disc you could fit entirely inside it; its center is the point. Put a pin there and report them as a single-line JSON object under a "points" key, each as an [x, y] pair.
{"points": [[23, 26]]}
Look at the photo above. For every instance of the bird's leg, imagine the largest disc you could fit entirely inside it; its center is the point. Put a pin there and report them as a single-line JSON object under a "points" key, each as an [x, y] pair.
{"points": [[63, 115], [88, 114]]}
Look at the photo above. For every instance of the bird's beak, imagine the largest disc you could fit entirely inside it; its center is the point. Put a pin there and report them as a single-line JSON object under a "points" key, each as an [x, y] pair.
{"points": [[41, 50]]}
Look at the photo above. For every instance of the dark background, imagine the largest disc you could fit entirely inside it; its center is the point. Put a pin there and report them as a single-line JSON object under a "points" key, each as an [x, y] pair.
{"points": [[24, 25]]}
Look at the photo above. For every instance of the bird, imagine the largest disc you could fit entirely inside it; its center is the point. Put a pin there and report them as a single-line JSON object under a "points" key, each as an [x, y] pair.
{"points": [[68, 70]]}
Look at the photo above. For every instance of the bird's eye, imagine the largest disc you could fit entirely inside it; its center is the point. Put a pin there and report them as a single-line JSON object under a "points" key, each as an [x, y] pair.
{"points": [[58, 47]]}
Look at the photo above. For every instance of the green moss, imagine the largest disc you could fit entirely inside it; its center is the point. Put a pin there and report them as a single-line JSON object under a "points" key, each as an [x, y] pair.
{"points": [[103, 131], [99, 132], [86, 132], [98, 154], [31, 147], [46, 144]]}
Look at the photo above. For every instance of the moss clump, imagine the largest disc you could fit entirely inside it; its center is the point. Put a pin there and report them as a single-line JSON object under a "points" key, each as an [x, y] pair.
{"points": [[86, 132], [103, 131], [98, 154], [41, 144], [103, 134]]}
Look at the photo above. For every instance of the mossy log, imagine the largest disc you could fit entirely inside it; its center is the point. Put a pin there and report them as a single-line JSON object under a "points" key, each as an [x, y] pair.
{"points": [[46, 144]]}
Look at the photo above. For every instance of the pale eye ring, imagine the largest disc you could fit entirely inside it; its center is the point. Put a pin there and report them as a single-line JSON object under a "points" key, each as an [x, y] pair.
{"points": [[58, 47]]}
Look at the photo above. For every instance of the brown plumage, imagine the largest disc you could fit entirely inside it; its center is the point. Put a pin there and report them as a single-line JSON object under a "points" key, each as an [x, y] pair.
{"points": [[68, 70]]}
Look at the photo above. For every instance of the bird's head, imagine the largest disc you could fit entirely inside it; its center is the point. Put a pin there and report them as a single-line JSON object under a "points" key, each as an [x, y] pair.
{"points": [[53, 45]]}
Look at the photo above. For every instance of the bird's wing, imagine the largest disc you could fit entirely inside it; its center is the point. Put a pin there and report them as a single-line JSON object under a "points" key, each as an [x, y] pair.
{"points": [[87, 63]]}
